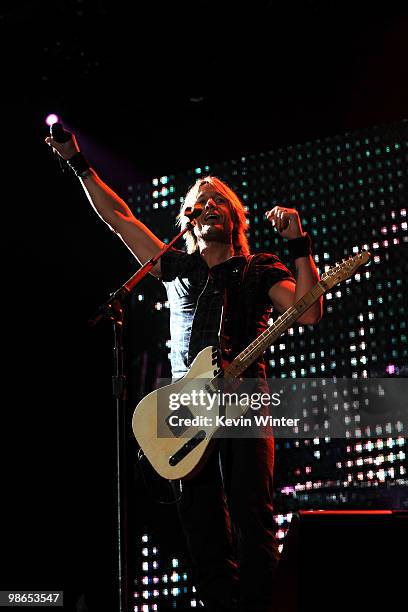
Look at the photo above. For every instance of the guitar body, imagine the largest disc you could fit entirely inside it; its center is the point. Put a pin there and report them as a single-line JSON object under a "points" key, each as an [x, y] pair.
{"points": [[178, 452], [159, 449]]}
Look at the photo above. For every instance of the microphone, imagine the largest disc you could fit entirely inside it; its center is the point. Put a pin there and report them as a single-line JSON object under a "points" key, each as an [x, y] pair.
{"points": [[193, 212], [60, 135]]}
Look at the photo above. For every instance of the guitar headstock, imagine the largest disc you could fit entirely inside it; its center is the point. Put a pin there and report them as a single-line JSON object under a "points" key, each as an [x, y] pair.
{"points": [[345, 269]]}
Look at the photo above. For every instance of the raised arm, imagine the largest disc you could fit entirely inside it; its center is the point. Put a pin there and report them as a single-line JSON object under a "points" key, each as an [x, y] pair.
{"points": [[285, 293], [112, 209]]}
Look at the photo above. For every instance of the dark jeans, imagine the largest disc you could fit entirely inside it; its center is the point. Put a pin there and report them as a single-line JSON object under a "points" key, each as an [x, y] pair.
{"points": [[226, 514]]}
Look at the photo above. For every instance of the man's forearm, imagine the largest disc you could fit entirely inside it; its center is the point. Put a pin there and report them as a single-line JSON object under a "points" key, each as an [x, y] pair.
{"points": [[116, 213]]}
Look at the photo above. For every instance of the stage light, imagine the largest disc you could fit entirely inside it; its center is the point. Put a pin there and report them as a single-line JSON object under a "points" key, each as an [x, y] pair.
{"points": [[51, 119]]}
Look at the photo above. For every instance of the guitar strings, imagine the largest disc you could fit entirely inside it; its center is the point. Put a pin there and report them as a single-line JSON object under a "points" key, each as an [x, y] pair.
{"points": [[283, 319]]}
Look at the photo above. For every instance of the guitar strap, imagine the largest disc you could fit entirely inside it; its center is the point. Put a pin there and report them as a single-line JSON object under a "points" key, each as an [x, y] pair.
{"points": [[246, 268], [224, 457], [221, 335]]}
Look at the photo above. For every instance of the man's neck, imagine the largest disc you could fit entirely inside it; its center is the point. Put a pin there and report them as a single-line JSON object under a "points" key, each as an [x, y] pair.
{"points": [[214, 253]]}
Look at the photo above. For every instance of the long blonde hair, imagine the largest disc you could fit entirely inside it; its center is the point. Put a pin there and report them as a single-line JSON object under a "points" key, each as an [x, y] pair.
{"points": [[238, 213]]}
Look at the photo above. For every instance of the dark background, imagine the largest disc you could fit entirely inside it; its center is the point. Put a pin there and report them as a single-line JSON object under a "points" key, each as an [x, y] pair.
{"points": [[149, 90]]}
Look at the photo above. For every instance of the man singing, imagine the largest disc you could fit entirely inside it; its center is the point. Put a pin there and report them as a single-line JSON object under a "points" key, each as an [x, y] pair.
{"points": [[219, 295]]}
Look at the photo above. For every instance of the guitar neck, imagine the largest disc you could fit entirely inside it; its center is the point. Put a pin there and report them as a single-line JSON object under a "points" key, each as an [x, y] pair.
{"points": [[268, 337]]}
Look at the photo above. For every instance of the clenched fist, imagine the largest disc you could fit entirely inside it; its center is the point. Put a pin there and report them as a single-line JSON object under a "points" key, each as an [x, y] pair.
{"points": [[286, 221], [65, 149]]}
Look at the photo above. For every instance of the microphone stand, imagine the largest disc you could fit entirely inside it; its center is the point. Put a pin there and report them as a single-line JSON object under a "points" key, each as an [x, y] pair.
{"points": [[112, 310]]}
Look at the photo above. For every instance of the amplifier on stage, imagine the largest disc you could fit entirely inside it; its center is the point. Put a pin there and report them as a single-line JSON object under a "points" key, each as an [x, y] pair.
{"points": [[351, 560]]}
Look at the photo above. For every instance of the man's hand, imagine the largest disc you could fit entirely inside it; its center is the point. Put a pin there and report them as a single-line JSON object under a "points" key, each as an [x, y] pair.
{"points": [[64, 149], [286, 221]]}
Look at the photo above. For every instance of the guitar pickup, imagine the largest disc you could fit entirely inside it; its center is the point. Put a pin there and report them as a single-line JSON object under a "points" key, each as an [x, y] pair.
{"points": [[182, 413]]}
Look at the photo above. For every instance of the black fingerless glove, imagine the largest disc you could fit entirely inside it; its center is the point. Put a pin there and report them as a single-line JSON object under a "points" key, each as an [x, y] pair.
{"points": [[79, 165], [300, 247]]}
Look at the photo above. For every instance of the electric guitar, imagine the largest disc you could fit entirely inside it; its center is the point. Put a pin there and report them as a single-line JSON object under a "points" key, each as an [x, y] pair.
{"points": [[177, 452]]}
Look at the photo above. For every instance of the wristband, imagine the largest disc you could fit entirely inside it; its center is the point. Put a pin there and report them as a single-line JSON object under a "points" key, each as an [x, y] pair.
{"points": [[79, 165], [300, 247]]}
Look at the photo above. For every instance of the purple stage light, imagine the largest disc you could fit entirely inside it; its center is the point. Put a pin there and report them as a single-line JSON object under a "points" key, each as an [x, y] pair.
{"points": [[51, 119]]}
